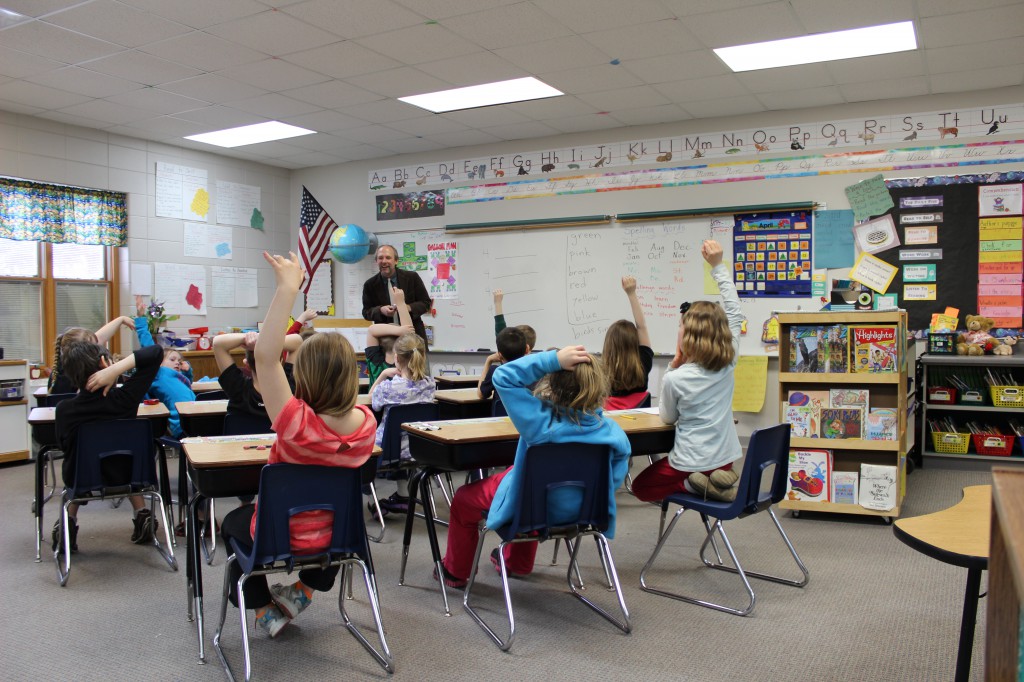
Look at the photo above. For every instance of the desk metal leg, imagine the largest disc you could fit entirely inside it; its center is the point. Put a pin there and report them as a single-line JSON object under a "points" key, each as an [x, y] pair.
{"points": [[414, 482], [194, 570], [165, 487], [435, 549], [963, 655], [37, 506]]}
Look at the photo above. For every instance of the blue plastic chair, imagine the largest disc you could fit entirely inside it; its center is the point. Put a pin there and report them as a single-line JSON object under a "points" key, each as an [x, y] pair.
{"points": [[498, 407], [577, 471], [51, 453], [211, 395], [768, 448], [286, 490], [112, 459], [240, 424]]}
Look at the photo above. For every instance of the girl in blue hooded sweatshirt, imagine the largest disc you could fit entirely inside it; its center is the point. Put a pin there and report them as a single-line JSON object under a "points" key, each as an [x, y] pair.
{"points": [[565, 407], [173, 382]]}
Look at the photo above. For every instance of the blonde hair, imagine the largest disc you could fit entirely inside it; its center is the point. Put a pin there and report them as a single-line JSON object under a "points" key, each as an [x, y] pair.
{"points": [[576, 393], [325, 374], [412, 351], [707, 340], [621, 356]]}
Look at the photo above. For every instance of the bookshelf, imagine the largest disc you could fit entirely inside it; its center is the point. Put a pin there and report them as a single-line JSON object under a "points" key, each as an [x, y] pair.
{"points": [[886, 389]]}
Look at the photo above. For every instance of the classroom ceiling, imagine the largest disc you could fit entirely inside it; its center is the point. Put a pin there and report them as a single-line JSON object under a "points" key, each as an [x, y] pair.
{"points": [[163, 69]]}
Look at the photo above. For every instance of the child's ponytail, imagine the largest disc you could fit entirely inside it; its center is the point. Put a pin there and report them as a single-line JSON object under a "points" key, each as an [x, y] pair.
{"points": [[413, 353]]}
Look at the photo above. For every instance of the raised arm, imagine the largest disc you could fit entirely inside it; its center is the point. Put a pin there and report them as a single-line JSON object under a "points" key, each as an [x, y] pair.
{"points": [[530, 414], [223, 344], [273, 383], [107, 331], [712, 252], [629, 286], [499, 311]]}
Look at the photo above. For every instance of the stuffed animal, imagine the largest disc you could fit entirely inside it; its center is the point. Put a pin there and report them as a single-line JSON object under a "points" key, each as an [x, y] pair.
{"points": [[977, 340]]}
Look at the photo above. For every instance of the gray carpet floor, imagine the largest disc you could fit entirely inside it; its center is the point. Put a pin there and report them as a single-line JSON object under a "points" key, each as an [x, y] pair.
{"points": [[874, 609]]}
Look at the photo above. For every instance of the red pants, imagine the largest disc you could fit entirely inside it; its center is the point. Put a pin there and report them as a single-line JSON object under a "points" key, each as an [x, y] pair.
{"points": [[660, 480], [470, 505]]}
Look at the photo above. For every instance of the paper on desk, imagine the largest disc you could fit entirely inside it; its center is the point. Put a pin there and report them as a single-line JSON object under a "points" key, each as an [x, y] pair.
{"points": [[230, 439], [752, 374]]}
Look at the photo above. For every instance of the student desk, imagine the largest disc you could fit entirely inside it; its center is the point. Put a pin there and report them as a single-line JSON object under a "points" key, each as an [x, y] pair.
{"points": [[462, 403], [464, 445], [44, 432], [364, 385], [959, 536], [205, 386], [457, 381], [40, 392]]}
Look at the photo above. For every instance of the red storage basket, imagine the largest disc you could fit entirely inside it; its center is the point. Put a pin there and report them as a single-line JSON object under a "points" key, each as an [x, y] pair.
{"points": [[993, 444]]}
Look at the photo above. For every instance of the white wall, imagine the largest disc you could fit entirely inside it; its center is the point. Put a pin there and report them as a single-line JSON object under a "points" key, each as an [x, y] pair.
{"points": [[46, 151]]}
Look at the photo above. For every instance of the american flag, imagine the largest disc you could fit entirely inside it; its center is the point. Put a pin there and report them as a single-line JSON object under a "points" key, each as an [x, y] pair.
{"points": [[315, 228]]}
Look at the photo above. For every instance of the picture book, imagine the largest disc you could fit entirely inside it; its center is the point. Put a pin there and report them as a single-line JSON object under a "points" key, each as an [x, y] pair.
{"points": [[874, 349], [844, 487], [877, 486], [834, 351], [803, 420], [841, 422], [815, 400], [881, 423], [810, 475], [848, 397], [804, 344]]}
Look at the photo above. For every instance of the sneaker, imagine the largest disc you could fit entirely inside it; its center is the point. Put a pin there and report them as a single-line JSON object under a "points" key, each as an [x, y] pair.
{"points": [[724, 478], [395, 504], [708, 490], [272, 620], [290, 599], [145, 527], [496, 562], [450, 580], [72, 531]]}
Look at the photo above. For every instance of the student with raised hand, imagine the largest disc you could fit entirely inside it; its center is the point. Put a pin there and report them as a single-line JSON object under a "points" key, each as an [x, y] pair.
{"points": [[564, 408], [173, 382], [512, 345], [244, 396], [381, 338], [320, 424], [697, 398], [58, 382], [627, 355], [499, 322]]}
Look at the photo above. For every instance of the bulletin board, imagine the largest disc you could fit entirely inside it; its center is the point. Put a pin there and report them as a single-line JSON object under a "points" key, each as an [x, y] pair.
{"points": [[955, 251]]}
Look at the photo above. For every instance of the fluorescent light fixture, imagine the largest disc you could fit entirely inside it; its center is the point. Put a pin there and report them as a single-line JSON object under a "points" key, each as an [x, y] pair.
{"points": [[486, 95], [254, 134], [821, 47]]}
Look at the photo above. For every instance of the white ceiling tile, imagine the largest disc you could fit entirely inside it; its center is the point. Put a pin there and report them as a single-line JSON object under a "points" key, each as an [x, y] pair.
{"points": [[795, 99], [39, 96], [930, 8], [400, 82], [473, 69], [625, 98], [56, 43], [442, 9], [519, 131], [409, 145], [672, 67], [730, 106], [640, 41], [21, 64], [213, 88], [324, 142], [88, 83], [140, 67], [103, 110], [383, 111], [199, 13], [325, 121], [974, 55], [157, 101], [354, 18], [579, 124], [487, 116], [363, 151], [983, 79], [650, 115], [506, 26], [116, 23], [787, 78], [973, 26], [464, 138], [203, 51], [169, 126], [419, 43], [312, 159], [901, 65], [566, 106], [564, 53], [599, 15], [273, 32], [820, 16], [770, 21], [699, 89], [220, 117], [370, 133], [885, 89], [686, 8], [274, 105], [18, 108], [37, 8], [342, 59], [591, 79], [273, 150], [62, 117], [332, 94], [272, 74], [428, 126]]}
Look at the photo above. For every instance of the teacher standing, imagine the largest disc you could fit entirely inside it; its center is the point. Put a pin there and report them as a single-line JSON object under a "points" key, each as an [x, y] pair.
{"points": [[377, 305]]}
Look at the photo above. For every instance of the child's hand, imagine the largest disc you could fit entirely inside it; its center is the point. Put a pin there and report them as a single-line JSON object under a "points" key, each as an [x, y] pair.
{"points": [[287, 271], [307, 316], [140, 307], [499, 296], [104, 378], [494, 358], [712, 252], [570, 356], [389, 372], [183, 366], [397, 296], [127, 322], [250, 339], [629, 285]]}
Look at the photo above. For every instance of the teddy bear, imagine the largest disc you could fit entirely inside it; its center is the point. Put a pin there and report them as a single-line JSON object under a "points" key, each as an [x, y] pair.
{"points": [[977, 340]]}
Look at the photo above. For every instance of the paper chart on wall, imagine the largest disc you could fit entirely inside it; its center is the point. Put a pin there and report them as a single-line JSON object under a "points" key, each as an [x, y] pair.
{"points": [[233, 287], [1000, 200], [208, 241], [239, 204], [141, 279], [181, 288], [181, 192]]}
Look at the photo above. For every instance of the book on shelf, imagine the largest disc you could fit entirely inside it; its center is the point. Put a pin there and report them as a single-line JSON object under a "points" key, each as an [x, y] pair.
{"points": [[802, 420], [834, 351], [848, 397], [874, 348], [810, 475], [804, 346], [844, 487], [878, 486], [881, 423], [841, 422]]}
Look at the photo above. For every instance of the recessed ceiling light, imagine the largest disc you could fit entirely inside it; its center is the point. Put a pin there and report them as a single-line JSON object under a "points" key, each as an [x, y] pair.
{"points": [[254, 134], [821, 47], [486, 95]]}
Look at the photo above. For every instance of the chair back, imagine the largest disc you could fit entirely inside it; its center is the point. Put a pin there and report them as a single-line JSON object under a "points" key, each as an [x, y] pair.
{"points": [[570, 479], [498, 407], [211, 395], [117, 454], [51, 399], [242, 424], [767, 447], [290, 489], [391, 443], [646, 402]]}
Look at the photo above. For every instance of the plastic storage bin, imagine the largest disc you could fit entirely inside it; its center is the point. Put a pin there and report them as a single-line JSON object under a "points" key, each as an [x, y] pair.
{"points": [[992, 444], [941, 395], [12, 389], [1007, 396], [951, 443], [942, 343]]}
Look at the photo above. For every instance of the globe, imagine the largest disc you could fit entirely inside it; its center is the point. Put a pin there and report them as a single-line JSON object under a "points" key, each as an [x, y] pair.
{"points": [[350, 243]]}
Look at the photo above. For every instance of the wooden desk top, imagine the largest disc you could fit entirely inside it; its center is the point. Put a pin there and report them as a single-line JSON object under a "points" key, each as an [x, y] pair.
{"points": [[457, 380], [460, 395], [238, 451], [46, 415], [458, 431], [1008, 501], [196, 408], [364, 399], [204, 386], [958, 535]]}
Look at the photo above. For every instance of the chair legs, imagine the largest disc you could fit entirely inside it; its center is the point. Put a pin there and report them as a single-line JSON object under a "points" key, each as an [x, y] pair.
{"points": [[380, 514], [208, 533], [713, 529]]}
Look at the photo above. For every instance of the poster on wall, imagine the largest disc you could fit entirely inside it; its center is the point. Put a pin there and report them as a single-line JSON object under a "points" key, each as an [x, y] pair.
{"points": [[442, 258], [772, 254], [181, 192], [181, 288], [999, 200]]}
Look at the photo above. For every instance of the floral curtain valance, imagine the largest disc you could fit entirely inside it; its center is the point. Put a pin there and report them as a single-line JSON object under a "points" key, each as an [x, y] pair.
{"points": [[34, 211]]}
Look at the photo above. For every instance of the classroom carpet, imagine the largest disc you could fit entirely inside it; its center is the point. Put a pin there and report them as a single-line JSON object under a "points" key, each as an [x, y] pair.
{"points": [[874, 609]]}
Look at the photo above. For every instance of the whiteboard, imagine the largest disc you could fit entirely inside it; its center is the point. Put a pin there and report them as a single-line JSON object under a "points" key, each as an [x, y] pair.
{"points": [[566, 282]]}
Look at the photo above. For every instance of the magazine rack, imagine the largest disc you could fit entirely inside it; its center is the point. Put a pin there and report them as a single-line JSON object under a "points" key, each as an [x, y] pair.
{"points": [[886, 389]]}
